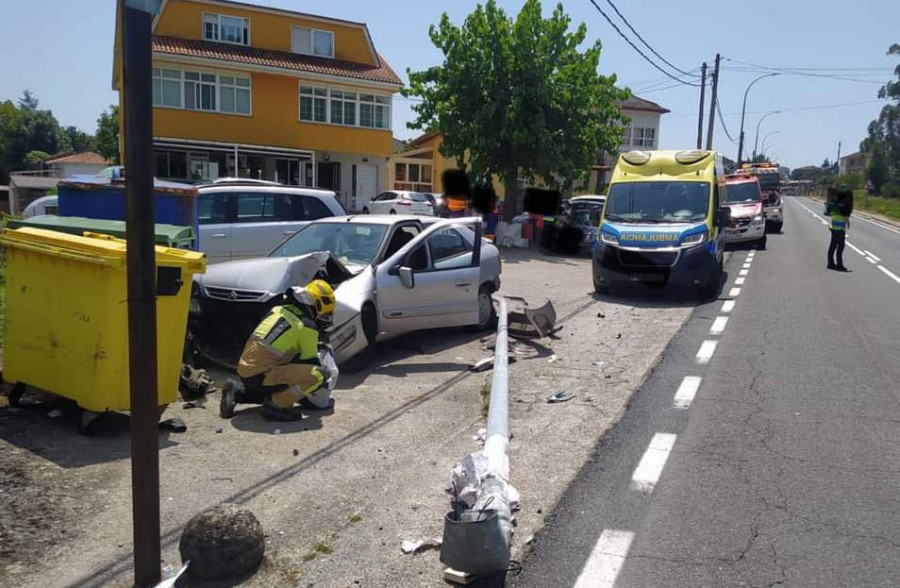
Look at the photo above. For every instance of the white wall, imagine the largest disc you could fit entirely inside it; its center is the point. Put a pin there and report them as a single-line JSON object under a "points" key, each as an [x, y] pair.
{"points": [[72, 169], [642, 119], [345, 194]]}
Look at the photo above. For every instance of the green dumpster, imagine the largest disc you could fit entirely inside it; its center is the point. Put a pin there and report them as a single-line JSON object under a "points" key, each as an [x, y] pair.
{"points": [[166, 235]]}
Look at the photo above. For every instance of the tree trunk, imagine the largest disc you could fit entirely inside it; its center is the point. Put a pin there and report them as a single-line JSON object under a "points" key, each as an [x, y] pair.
{"points": [[513, 201]]}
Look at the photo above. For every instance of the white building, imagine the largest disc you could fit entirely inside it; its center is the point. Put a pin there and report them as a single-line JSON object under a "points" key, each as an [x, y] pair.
{"points": [[641, 133]]}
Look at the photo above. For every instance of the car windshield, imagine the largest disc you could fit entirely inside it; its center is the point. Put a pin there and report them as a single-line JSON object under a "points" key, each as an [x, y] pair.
{"points": [[353, 244], [769, 181], [742, 192], [415, 197], [585, 213], [658, 202]]}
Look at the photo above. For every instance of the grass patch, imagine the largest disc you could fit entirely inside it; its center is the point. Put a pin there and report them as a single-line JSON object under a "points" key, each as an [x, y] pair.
{"points": [[354, 518], [321, 548]]}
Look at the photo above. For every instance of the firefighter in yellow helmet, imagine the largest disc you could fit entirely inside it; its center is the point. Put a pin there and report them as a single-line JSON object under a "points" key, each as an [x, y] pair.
{"points": [[280, 362]]}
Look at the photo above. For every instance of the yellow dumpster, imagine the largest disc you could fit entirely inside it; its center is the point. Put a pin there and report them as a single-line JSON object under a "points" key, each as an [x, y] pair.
{"points": [[67, 316]]}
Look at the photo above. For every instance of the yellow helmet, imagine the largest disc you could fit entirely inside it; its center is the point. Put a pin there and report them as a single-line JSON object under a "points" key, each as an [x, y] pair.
{"points": [[317, 296]]}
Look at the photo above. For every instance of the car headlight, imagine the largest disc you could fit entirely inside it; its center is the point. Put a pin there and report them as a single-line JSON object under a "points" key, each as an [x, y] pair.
{"points": [[758, 218], [609, 238], [693, 240]]}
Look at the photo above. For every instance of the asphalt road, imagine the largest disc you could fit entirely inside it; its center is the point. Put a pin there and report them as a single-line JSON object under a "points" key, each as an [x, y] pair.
{"points": [[763, 450]]}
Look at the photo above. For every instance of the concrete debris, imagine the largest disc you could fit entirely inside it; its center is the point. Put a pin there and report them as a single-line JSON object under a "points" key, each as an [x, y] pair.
{"points": [[599, 365], [420, 545], [480, 436], [223, 542], [553, 359], [55, 414], [468, 479], [194, 383], [560, 396], [170, 577], [174, 425]]}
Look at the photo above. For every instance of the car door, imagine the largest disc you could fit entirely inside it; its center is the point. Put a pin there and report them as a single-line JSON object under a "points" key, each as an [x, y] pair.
{"points": [[216, 213], [445, 271], [380, 203], [262, 221]]}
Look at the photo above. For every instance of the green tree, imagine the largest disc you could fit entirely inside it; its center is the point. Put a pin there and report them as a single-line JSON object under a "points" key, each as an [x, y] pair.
{"points": [[107, 138], [28, 101], [877, 171], [74, 139], [34, 159], [515, 98], [884, 132]]}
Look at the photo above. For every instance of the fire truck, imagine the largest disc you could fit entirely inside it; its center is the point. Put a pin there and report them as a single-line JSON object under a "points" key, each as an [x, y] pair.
{"points": [[769, 176]]}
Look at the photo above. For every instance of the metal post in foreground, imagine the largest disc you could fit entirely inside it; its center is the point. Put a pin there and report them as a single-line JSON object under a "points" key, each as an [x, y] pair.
{"points": [[138, 113], [740, 158], [496, 444]]}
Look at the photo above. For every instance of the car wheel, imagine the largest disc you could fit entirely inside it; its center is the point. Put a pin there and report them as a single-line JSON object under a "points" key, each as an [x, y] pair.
{"points": [[487, 314], [600, 288], [365, 210], [711, 288]]}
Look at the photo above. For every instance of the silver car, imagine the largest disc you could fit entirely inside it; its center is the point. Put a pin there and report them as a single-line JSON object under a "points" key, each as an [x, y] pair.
{"points": [[392, 274]]}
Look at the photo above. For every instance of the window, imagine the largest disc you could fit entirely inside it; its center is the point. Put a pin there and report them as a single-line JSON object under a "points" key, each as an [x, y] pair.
{"points": [[313, 104], [413, 172], [253, 208], [227, 29], [626, 137], [343, 108], [373, 111], [314, 208], [312, 42], [403, 235], [166, 87], [199, 91], [234, 95], [400, 172], [643, 136], [449, 249], [213, 208]]}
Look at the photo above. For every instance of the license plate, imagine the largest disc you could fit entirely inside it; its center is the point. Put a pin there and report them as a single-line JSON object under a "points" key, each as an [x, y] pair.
{"points": [[647, 277]]}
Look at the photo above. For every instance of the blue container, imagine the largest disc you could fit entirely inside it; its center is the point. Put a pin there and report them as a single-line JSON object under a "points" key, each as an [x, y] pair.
{"points": [[104, 198]]}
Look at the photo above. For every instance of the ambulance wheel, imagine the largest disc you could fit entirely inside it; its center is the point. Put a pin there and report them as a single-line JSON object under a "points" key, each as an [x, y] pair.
{"points": [[599, 288], [711, 288], [15, 395]]}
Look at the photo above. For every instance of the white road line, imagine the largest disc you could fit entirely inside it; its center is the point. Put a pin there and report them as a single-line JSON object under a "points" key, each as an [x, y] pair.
{"points": [[718, 325], [878, 224], [606, 560], [872, 255], [870, 260], [746, 266], [739, 281], [650, 468], [706, 351], [728, 306], [889, 273], [686, 392], [752, 253], [855, 248], [744, 272], [734, 292]]}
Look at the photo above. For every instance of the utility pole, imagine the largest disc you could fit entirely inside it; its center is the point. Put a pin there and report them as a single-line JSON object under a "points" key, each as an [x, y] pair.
{"points": [[702, 97], [712, 104], [837, 162], [137, 112]]}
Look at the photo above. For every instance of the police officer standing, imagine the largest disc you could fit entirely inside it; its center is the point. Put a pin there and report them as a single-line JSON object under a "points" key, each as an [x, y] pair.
{"points": [[840, 207]]}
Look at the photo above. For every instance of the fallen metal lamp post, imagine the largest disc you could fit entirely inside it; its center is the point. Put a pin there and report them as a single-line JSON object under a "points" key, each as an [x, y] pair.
{"points": [[477, 538]]}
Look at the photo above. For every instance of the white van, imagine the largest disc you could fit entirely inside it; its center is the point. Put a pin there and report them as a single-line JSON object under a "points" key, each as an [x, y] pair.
{"points": [[240, 219]]}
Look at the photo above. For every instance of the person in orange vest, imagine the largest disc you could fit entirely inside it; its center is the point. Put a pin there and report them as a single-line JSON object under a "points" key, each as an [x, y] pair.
{"points": [[456, 192]]}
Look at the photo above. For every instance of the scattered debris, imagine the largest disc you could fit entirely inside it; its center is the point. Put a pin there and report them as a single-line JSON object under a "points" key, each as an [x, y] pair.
{"points": [[618, 335], [421, 545], [218, 431], [193, 404], [601, 315], [171, 577], [487, 363], [529, 540], [553, 359], [175, 425], [194, 383], [55, 413], [457, 577], [481, 435], [223, 542], [560, 396], [599, 365], [296, 452]]}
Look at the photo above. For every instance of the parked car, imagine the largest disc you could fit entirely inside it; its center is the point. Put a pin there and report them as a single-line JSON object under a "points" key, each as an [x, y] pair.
{"points": [[392, 274], [243, 219], [744, 197], [584, 214], [439, 202], [43, 205], [400, 202]]}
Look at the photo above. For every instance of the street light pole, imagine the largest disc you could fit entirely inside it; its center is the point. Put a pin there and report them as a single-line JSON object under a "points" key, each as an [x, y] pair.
{"points": [[764, 142], [764, 117], [744, 112]]}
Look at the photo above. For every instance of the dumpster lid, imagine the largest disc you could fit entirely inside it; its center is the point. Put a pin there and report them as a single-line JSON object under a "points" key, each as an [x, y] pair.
{"points": [[95, 248], [116, 228], [82, 182]]}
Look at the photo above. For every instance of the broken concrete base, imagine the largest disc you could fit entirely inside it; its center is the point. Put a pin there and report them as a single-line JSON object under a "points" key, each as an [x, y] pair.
{"points": [[222, 542]]}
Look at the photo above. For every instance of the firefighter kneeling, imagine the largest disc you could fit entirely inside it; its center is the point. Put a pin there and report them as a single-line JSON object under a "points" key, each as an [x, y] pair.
{"points": [[280, 364]]}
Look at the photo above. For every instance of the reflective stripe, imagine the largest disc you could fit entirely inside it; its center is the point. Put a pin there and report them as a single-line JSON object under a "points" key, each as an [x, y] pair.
{"points": [[286, 335], [838, 222]]}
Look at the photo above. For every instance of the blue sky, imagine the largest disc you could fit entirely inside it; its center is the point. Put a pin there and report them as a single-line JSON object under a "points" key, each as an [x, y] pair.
{"points": [[62, 51]]}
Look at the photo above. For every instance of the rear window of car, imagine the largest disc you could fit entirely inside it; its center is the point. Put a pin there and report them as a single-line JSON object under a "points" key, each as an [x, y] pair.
{"points": [[416, 197]]}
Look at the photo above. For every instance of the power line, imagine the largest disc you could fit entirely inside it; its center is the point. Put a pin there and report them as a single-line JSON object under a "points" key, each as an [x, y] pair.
{"points": [[638, 35], [635, 47], [654, 85], [798, 72], [722, 121], [800, 109]]}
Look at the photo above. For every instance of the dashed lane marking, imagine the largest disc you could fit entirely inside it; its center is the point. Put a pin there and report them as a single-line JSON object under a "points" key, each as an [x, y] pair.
{"points": [[650, 468], [718, 325], [728, 306], [872, 255], [686, 391], [739, 281], [734, 292], [744, 272], [707, 349], [606, 560], [889, 273]]}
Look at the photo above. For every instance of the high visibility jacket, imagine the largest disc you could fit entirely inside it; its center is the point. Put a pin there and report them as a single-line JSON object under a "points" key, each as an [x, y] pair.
{"points": [[282, 337], [456, 204], [838, 221]]}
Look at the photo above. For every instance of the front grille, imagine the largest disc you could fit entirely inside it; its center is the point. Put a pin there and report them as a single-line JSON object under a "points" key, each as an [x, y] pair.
{"points": [[648, 258], [740, 222], [234, 295]]}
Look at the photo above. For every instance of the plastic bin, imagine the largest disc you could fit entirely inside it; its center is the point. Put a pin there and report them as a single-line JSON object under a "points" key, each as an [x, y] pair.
{"points": [[166, 235], [103, 198], [67, 321]]}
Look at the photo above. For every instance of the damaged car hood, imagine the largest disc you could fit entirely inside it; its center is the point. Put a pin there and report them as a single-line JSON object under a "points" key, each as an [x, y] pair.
{"points": [[264, 274]]}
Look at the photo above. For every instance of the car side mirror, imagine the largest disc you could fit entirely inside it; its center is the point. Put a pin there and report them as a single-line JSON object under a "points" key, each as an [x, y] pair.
{"points": [[406, 276]]}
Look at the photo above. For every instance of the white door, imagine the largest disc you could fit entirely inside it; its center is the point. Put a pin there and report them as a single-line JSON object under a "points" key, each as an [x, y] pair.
{"points": [[444, 291], [366, 184], [215, 216]]}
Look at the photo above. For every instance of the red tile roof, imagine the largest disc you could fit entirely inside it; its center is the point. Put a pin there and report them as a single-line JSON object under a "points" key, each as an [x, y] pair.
{"points": [[85, 157], [277, 59], [636, 103]]}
